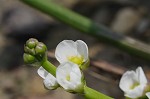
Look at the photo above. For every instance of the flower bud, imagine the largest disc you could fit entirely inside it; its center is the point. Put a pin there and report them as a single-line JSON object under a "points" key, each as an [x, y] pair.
{"points": [[28, 50], [28, 58], [50, 81], [31, 43], [34, 52], [40, 48]]}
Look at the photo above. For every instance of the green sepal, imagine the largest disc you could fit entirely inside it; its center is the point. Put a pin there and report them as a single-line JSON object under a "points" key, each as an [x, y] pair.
{"points": [[85, 65], [40, 48]]}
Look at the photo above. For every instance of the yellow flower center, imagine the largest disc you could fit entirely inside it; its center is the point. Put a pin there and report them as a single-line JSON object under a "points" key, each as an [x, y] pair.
{"points": [[68, 77], [134, 85], [76, 59]]}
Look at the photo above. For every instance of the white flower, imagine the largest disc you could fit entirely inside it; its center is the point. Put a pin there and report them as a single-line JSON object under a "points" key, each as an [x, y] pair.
{"points": [[50, 81], [68, 50], [133, 83], [69, 77], [148, 95]]}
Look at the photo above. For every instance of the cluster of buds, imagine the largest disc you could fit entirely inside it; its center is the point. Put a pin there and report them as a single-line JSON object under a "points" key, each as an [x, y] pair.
{"points": [[35, 52], [135, 85], [73, 57]]}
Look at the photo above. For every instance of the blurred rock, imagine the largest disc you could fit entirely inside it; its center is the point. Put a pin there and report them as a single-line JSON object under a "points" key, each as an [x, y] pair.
{"points": [[3, 41], [103, 15], [11, 56], [126, 20], [28, 80], [143, 25], [22, 21], [19, 19], [142, 31], [61, 94]]}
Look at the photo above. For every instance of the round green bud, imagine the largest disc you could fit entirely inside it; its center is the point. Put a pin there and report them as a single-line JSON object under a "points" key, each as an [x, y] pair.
{"points": [[28, 50], [28, 58], [31, 43], [40, 48]]}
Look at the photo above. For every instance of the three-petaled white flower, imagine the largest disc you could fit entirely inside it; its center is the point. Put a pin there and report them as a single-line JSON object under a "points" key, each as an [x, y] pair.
{"points": [[148, 95], [70, 77], [50, 81], [68, 50], [133, 83]]}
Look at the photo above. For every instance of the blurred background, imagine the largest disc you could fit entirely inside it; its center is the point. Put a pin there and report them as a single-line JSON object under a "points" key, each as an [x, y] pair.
{"points": [[19, 22]]}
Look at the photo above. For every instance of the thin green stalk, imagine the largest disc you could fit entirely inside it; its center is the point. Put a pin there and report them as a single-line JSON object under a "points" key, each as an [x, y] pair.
{"points": [[93, 94], [87, 26], [49, 67]]}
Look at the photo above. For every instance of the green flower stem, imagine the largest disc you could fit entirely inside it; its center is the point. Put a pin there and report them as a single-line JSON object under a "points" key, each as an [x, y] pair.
{"points": [[49, 67], [89, 93], [87, 26]]}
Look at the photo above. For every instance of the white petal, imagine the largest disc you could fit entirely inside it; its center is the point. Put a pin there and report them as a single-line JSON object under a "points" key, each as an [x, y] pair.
{"points": [[73, 71], [148, 95], [61, 75], [42, 72], [75, 75], [50, 82], [141, 76], [82, 49], [136, 92], [65, 49], [127, 80]]}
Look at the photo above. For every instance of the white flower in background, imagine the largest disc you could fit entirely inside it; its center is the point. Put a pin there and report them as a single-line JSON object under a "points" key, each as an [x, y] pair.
{"points": [[50, 81], [148, 95], [69, 77], [133, 83], [68, 50]]}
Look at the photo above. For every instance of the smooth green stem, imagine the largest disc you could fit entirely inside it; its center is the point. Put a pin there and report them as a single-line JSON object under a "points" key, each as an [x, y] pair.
{"points": [[89, 93], [87, 26], [49, 67]]}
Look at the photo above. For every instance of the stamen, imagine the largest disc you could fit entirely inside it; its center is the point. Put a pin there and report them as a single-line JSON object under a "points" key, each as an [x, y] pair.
{"points": [[76, 59], [135, 85], [68, 77]]}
